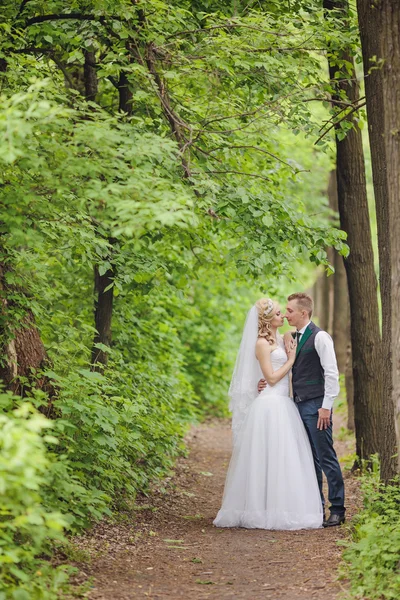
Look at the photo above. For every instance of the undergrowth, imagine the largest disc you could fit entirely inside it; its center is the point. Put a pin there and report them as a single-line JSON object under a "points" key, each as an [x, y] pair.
{"points": [[372, 557]]}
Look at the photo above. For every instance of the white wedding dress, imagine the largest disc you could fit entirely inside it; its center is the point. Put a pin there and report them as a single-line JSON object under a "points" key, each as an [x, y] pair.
{"points": [[271, 481]]}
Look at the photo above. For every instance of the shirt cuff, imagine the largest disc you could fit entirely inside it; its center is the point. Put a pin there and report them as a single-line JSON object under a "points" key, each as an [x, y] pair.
{"points": [[328, 402]]}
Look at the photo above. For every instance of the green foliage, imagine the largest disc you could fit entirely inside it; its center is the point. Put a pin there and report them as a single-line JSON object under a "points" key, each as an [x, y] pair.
{"points": [[372, 559], [201, 194], [210, 326], [27, 524]]}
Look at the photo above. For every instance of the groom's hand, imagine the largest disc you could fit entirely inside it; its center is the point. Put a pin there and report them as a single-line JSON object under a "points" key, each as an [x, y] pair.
{"points": [[262, 384], [324, 418]]}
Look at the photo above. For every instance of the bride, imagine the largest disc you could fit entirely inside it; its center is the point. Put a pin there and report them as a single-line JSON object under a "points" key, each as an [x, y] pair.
{"points": [[271, 481]]}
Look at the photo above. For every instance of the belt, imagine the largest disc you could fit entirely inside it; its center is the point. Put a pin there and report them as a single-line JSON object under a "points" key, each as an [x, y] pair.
{"points": [[297, 399]]}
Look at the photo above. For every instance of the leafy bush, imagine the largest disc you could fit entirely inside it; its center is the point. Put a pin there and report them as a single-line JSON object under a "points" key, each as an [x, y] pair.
{"points": [[27, 525], [372, 560]]}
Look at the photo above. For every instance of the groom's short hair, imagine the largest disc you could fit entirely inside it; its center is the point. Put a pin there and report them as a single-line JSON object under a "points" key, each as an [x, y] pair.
{"points": [[304, 301]]}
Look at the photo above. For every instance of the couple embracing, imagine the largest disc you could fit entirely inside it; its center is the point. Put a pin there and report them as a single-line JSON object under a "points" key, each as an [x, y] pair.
{"points": [[282, 445]]}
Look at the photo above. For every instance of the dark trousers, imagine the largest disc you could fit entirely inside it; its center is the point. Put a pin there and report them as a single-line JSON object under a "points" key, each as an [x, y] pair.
{"points": [[324, 454]]}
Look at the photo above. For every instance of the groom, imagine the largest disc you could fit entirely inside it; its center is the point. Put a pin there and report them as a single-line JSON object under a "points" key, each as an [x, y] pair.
{"points": [[315, 386]]}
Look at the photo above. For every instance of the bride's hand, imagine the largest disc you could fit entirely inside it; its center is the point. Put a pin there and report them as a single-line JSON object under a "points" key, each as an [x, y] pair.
{"points": [[291, 349], [288, 339]]}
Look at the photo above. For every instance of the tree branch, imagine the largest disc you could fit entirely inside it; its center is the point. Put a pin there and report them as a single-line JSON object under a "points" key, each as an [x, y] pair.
{"points": [[71, 16], [196, 147], [63, 70], [332, 101], [354, 109], [224, 26], [234, 172], [259, 150], [174, 120], [271, 48], [345, 107], [21, 8]]}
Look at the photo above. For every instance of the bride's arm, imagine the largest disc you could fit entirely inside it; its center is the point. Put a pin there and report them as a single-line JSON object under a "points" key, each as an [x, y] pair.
{"points": [[263, 353], [287, 339]]}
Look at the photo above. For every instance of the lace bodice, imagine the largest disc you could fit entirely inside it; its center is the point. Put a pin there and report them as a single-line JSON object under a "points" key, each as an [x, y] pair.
{"points": [[278, 359]]}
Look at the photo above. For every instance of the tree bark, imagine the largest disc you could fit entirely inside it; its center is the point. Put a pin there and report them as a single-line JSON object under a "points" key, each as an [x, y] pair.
{"points": [[324, 317], [342, 335], [322, 294], [341, 309], [316, 298], [125, 94], [349, 382], [362, 282], [379, 22], [341, 313], [23, 349], [317, 295], [90, 76], [103, 301], [102, 314]]}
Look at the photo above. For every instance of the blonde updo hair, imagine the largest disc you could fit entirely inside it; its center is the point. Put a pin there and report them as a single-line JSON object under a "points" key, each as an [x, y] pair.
{"points": [[266, 309]]}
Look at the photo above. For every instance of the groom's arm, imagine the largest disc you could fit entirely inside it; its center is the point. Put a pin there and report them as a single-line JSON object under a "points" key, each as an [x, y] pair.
{"points": [[326, 352], [262, 384]]}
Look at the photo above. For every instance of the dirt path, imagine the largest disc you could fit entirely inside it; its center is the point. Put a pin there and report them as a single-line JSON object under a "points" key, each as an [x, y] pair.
{"points": [[171, 550]]}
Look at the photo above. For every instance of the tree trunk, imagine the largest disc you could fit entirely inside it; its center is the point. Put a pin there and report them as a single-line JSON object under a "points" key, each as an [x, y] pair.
{"points": [[102, 314], [90, 76], [330, 285], [125, 94], [341, 313], [341, 309], [317, 296], [362, 283], [24, 354], [342, 334], [380, 39], [323, 299], [23, 349], [325, 302], [103, 302], [349, 381]]}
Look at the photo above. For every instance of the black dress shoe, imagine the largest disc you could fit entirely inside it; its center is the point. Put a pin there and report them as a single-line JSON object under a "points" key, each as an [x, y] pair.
{"points": [[334, 520]]}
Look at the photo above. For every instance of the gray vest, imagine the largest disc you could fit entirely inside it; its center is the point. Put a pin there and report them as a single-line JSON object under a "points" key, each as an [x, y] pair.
{"points": [[307, 373]]}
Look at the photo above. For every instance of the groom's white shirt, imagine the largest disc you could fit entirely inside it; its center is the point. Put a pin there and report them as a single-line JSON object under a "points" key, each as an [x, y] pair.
{"points": [[326, 352]]}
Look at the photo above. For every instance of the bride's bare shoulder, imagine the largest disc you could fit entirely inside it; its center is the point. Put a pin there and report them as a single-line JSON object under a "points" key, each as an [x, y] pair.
{"points": [[263, 344]]}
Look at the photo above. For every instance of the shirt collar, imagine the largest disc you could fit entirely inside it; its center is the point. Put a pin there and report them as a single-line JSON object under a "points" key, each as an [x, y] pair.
{"points": [[301, 331]]}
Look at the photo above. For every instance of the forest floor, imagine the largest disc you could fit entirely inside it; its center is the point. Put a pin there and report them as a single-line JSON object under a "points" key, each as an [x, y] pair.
{"points": [[168, 547]]}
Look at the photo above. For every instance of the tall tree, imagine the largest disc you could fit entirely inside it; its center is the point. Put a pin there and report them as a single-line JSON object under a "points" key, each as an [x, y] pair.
{"points": [[341, 315], [103, 279], [355, 220], [340, 297], [379, 22], [323, 299]]}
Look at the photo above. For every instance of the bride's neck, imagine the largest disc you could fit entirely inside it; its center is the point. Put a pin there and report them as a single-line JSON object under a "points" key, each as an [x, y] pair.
{"points": [[274, 332]]}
